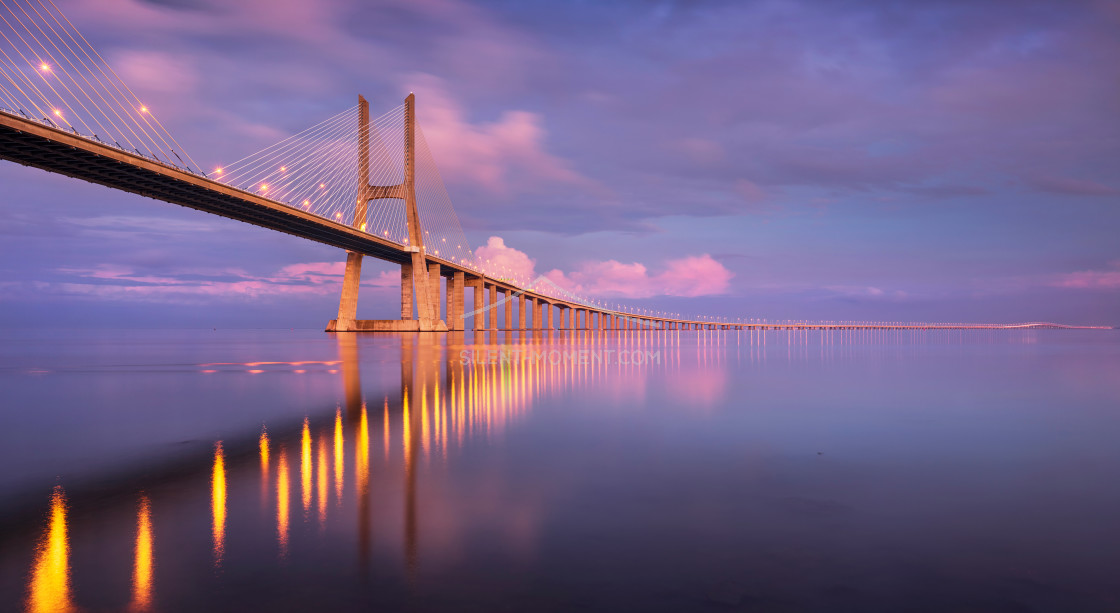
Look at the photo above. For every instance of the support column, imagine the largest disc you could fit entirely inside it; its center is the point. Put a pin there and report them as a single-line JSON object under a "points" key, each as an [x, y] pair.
{"points": [[521, 311], [455, 301], [479, 312], [493, 312], [536, 313], [406, 290], [548, 319], [348, 303], [352, 278], [433, 278], [508, 323], [425, 297]]}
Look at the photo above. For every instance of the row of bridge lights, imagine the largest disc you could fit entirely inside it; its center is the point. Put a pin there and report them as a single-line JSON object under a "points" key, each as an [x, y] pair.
{"points": [[46, 69]]}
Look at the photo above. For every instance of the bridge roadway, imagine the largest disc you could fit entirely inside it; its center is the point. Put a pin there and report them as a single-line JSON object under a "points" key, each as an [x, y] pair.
{"points": [[35, 144]]}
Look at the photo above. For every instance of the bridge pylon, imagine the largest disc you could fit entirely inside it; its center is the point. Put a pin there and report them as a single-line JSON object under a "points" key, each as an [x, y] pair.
{"points": [[419, 277]]}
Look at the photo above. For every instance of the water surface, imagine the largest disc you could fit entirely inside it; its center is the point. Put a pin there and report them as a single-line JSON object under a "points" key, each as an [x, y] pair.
{"points": [[655, 471]]}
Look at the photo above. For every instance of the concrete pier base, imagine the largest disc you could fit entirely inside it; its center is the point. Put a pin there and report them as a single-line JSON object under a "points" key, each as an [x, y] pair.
{"points": [[388, 325]]}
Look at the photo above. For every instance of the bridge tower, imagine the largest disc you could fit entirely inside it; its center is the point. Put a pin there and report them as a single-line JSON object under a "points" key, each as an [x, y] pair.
{"points": [[419, 278]]}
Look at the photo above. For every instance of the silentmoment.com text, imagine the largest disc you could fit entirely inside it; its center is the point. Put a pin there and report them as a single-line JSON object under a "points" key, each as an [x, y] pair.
{"points": [[556, 356]]}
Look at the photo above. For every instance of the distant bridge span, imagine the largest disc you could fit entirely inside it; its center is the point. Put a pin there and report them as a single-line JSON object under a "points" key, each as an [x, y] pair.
{"points": [[33, 143]]}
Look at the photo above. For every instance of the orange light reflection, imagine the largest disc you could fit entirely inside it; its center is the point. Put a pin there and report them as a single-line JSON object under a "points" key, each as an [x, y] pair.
{"points": [[283, 499], [218, 503], [49, 589], [142, 568], [305, 466]]}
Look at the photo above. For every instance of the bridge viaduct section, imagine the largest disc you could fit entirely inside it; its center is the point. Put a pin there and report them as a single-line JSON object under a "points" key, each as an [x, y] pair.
{"points": [[38, 144]]}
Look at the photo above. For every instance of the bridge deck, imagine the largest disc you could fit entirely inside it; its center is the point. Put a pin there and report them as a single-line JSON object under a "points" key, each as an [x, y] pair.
{"points": [[33, 144]]}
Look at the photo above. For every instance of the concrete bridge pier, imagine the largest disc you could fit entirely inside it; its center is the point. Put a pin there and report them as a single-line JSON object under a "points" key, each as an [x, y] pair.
{"points": [[508, 323], [455, 286], [493, 310], [479, 315], [417, 275]]}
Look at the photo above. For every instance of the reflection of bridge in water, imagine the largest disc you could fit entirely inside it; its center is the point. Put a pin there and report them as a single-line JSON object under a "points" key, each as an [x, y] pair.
{"points": [[296, 475], [376, 449]]}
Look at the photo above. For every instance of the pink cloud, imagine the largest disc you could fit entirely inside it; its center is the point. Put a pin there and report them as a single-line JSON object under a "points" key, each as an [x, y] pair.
{"points": [[504, 156], [689, 276], [150, 72], [506, 261], [1091, 279], [188, 285], [1071, 186], [701, 151]]}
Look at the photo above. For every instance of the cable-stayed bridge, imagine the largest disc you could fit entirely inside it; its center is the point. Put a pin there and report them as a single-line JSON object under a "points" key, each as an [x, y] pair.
{"points": [[367, 185]]}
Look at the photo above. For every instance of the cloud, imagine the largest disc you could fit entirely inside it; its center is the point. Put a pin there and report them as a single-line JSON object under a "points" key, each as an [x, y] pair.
{"points": [[1071, 186], [689, 276], [148, 71], [1090, 279], [502, 157], [866, 292], [506, 261], [116, 282]]}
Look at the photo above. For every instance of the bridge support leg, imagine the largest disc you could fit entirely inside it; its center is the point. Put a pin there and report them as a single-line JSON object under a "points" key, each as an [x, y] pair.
{"points": [[521, 311], [433, 279], [479, 312], [493, 312], [548, 319], [455, 301], [536, 313], [348, 303], [508, 323]]}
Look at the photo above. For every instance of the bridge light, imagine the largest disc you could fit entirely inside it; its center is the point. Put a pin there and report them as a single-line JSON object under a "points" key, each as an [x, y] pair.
{"points": [[306, 203], [45, 67], [58, 113], [322, 186], [143, 109], [218, 170], [283, 169], [338, 215], [264, 187]]}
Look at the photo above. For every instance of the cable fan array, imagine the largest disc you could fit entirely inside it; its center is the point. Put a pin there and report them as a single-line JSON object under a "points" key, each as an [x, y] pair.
{"points": [[443, 236], [49, 73], [316, 171]]}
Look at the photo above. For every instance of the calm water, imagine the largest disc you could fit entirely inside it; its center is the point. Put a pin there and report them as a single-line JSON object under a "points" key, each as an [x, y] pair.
{"points": [[711, 471]]}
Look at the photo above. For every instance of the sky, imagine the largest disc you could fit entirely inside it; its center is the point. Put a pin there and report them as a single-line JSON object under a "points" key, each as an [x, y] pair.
{"points": [[947, 160]]}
